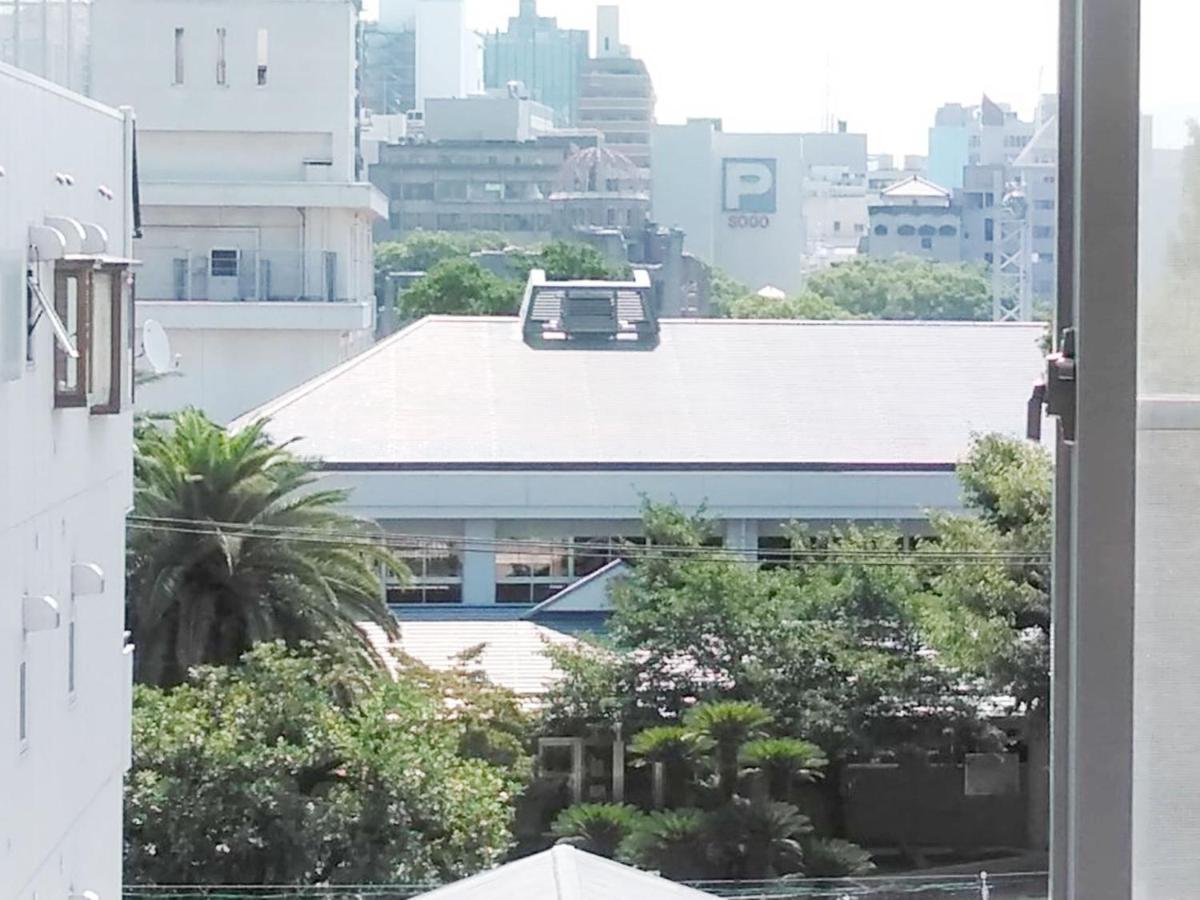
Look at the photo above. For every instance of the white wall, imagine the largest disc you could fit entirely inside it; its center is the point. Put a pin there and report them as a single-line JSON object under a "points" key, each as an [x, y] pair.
{"points": [[309, 90], [65, 483]]}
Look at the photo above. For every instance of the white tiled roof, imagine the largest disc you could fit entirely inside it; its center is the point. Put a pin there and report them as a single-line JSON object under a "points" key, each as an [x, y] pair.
{"points": [[468, 390], [565, 873], [513, 654]]}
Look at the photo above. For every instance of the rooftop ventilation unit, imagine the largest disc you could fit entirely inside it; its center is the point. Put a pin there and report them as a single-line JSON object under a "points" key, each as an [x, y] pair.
{"points": [[559, 314]]}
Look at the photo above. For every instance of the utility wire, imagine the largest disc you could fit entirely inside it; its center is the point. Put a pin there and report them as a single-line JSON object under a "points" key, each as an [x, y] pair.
{"points": [[626, 550]]}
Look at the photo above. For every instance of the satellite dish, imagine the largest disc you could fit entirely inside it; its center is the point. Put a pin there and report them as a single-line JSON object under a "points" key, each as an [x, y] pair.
{"points": [[156, 347]]}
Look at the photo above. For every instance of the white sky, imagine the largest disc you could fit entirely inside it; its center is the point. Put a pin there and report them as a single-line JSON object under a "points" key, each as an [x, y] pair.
{"points": [[767, 64]]}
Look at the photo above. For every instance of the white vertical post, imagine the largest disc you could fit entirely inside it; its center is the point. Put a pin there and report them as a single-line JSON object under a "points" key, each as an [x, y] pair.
{"points": [[479, 562]]}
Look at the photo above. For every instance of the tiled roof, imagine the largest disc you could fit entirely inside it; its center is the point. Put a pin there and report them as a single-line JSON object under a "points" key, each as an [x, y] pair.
{"points": [[464, 391]]}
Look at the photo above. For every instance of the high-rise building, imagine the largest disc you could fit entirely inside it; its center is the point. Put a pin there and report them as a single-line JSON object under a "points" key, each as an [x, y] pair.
{"points": [[66, 227], [546, 59], [389, 74], [616, 93], [449, 55], [251, 195]]}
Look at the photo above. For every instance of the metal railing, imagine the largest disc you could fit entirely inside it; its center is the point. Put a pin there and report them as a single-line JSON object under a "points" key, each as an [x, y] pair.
{"points": [[220, 274], [981, 886]]}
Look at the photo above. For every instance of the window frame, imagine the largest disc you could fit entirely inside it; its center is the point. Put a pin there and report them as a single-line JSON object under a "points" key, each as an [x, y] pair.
{"points": [[73, 397], [120, 284], [212, 262]]}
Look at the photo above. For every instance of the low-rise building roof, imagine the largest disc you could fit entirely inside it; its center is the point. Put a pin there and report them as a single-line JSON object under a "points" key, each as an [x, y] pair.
{"points": [[467, 393]]}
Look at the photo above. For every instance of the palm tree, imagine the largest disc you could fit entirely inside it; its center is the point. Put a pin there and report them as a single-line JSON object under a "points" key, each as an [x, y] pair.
{"points": [[231, 544], [725, 726], [671, 842], [598, 828], [757, 839], [783, 762], [670, 746]]}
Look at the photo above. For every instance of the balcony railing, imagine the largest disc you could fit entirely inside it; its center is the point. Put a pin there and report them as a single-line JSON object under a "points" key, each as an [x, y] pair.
{"points": [[232, 275]]}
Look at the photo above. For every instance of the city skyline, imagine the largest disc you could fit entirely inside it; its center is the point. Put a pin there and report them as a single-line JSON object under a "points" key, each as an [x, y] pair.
{"points": [[1008, 53]]}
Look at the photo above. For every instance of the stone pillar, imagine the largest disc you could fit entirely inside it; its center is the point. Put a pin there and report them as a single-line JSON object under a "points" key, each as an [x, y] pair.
{"points": [[479, 562]]}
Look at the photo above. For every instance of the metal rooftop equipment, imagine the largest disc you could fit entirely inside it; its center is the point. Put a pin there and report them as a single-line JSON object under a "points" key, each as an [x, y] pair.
{"points": [[589, 314]]}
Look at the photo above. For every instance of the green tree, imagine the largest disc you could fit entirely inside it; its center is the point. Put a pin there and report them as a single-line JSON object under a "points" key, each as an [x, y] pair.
{"points": [[275, 772], [805, 305], [905, 288], [232, 543], [569, 261], [420, 251], [671, 842], [992, 617], [460, 287], [783, 762]]}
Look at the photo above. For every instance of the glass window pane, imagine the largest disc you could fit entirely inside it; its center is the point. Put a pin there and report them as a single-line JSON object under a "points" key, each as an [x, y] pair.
{"points": [[100, 359]]}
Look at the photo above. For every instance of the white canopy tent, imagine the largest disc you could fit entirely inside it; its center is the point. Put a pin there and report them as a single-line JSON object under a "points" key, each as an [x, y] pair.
{"points": [[565, 873]]}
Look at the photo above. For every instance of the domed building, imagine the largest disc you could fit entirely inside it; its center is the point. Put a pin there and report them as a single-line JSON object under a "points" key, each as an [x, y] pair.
{"points": [[599, 187]]}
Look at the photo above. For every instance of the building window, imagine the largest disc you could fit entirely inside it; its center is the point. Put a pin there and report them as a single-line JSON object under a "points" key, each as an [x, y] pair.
{"points": [[418, 191], [1045, 257], [974, 200], [926, 243], [70, 373], [178, 56], [947, 231], [989, 199], [23, 702], [221, 56], [90, 303], [223, 264], [1043, 204], [262, 56], [987, 257], [1043, 232], [989, 229], [529, 573], [859, 227], [881, 230], [927, 231], [837, 226], [906, 231], [436, 568]]}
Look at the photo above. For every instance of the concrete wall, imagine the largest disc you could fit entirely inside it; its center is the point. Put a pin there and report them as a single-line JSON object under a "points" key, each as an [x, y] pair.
{"points": [[65, 483], [888, 805], [309, 85], [757, 247], [227, 371], [945, 239]]}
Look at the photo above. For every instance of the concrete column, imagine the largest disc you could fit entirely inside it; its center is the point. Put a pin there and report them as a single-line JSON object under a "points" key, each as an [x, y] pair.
{"points": [[742, 535], [479, 562]]}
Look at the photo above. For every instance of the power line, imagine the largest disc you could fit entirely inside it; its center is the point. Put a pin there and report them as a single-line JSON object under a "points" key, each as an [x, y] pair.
{"points": [[617, 548]]}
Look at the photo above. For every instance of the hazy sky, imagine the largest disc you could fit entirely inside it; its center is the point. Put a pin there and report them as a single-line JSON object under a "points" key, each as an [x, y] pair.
{"points": [[884, 66]]}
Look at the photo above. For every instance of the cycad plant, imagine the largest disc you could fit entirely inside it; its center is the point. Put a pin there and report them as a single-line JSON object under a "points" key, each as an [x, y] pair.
{"points": [[725, 726], [232, 543], [672, 747], [598, 828], [783, 762]]}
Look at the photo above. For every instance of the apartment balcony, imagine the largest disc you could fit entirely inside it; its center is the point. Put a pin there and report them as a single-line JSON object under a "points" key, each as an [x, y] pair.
{"points": [[252, 289]]}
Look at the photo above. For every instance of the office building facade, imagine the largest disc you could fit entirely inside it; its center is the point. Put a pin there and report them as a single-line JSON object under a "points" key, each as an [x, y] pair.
{"points": [[616, 93], [546, 59]]}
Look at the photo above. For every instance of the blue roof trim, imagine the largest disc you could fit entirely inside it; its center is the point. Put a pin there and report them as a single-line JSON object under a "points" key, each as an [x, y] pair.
{"points": [[549, 603], [866, 467]]}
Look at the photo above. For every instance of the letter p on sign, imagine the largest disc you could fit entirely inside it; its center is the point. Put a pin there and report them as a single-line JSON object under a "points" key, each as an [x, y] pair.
{"points": [[749, 185]]}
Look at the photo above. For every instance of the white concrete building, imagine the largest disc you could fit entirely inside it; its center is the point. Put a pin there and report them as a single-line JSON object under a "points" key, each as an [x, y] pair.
{"points": [[518, 464], [257, 218], [449, 54], [66, 224], [916, 217], [739, 198]]}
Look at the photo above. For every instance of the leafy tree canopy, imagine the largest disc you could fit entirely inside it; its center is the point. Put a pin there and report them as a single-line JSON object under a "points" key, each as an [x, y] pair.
{"points": [[300, 769], [905, 288], [805, 305], [570, 261], [225, 551], [420, 251], [993, 618], [460, 286]]}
